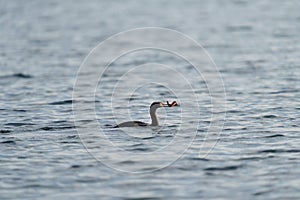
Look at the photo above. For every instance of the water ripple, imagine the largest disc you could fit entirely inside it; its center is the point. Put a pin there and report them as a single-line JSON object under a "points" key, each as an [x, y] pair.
{"points": [[64, 102], [274, 136], [8, 142], [19, 124], [232, 167], [279, 151], [17, 75]]}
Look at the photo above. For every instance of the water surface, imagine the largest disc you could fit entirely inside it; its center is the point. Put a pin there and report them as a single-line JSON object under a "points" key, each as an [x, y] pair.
{"points": [[256, 48]]}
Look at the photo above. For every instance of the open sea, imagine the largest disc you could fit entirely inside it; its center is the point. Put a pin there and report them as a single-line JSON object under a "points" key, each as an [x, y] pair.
{"points": [[236, 134]]}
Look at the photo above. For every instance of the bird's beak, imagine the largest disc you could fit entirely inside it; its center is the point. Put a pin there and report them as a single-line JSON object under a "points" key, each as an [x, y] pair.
{"points": [[174, 103]]}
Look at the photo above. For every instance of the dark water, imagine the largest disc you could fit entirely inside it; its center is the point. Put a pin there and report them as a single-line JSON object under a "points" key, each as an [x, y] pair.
{"points": [[255, 45]]}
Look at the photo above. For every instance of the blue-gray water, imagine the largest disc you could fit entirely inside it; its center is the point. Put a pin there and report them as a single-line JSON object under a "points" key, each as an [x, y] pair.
{"points": [[255, 45]]}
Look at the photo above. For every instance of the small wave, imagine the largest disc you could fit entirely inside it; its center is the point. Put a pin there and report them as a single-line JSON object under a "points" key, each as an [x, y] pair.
{"points": [[284, 91], [47, 128], [255, 158], [148, 138], [136, 145], [198, 158], [19, 124], [17, 75], [227, 168], [108, 126], [5, 131], [59, 121], [149, 169], [233, 111], [54, 128], [14, 110], [22, 157], [75, 166], [235, 128], [269, 116], [275, 135], [8, 142], [127, 162], [140, 149], [72, 137], [19, 110], [279, 151], [69, 142], [262, 192], [61, 102]]}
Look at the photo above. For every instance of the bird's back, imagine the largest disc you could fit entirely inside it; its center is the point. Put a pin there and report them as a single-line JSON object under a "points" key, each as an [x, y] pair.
{"points": [[131, 124]]}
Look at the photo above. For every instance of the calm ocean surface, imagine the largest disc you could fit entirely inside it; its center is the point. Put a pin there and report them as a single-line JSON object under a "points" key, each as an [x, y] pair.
{"points": [[255, 45]]}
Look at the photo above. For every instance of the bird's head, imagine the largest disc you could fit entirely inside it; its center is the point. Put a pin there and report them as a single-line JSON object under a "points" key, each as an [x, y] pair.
{"points": [[161, 104]]}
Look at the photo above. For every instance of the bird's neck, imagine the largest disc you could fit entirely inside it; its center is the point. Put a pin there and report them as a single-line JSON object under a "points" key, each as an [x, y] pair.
{"points": [[153, 117]]}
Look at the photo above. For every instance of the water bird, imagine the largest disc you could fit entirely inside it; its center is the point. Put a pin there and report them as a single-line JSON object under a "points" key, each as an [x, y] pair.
{"points": [[154, 121]]}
